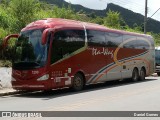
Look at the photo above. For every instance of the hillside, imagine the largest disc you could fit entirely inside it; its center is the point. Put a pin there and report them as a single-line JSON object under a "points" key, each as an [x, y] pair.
{"points": [[129, 16]]}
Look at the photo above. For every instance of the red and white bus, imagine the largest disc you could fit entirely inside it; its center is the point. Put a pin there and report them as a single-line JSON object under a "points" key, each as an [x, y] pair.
{"points": [[54, 53]]}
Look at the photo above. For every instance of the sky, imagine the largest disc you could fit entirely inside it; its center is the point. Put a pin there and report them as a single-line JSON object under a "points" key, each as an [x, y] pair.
{"points": [[137, 6]]}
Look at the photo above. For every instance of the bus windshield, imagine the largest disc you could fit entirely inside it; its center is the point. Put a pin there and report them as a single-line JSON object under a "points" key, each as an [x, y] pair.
{"points": [[29, 52]]}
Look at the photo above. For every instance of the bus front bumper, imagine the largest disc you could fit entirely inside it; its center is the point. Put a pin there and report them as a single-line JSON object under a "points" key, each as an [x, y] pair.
{"points": [[30, 86]]}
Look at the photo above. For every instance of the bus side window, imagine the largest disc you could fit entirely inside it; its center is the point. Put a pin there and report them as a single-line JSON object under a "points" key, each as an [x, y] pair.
{"points": [[96, 38], [66, 42], [142, 44], [130, 41], [113, 39]]}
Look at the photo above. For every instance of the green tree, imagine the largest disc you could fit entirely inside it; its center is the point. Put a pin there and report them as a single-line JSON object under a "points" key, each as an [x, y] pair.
{"points": [[136, 27], [98, 20], [113, 20], [24, 11], [92, 15], [156, 37], [67, 13], [6, 19]]}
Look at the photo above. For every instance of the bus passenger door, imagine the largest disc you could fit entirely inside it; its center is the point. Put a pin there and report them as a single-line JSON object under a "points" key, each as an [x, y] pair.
{"points": [[64, 46]]}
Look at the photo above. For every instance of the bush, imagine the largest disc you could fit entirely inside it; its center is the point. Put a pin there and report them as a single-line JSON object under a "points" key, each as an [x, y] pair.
{"points": [[5, 63], [7, 19]]}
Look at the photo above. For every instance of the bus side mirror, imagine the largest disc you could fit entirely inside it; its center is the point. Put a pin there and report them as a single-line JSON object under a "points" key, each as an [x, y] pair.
{"points": [[5, 40]]}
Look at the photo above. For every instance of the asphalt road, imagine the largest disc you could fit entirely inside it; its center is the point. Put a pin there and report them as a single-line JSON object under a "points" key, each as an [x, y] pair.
{"points": [[110, 96]]}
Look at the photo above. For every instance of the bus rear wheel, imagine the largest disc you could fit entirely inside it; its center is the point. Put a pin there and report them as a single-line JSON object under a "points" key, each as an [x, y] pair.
{"points": [[78, 82], [142, 74], [135, 75]]}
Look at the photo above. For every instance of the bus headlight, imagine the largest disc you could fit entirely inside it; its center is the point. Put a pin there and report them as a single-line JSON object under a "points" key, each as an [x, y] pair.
{"points": [[44, 77]]}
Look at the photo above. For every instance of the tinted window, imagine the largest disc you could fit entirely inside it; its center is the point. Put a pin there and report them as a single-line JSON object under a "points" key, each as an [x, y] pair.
{"points": [[29, 52], [113, 39], [142, 44], [130, 41], [66, 42], [96, 38]]}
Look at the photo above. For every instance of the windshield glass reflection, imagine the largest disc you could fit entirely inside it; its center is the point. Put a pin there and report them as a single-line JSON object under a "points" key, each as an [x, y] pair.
{"points": [[29, 52]]}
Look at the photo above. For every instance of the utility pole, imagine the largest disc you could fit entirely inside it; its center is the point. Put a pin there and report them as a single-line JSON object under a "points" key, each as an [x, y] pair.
{"points": [[145, 17]]}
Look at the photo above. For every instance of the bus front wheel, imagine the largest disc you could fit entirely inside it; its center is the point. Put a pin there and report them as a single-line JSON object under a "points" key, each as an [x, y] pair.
{"points": [[78, 82]]}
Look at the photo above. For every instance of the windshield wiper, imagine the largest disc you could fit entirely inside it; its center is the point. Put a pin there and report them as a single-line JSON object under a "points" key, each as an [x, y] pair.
{"points": [[38, 64]]}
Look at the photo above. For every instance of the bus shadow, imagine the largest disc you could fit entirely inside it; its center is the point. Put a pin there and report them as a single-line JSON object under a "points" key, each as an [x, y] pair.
{"points": [[47, 95]]}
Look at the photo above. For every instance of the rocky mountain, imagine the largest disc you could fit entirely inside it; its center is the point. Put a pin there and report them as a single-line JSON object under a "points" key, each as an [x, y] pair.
{"points": [[129, 16]]}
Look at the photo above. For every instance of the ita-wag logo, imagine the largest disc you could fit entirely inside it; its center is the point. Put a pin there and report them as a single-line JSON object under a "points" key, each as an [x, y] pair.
{"points": [[104, 51]]}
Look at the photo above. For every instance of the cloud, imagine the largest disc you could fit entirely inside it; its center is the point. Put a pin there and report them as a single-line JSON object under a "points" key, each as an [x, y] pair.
{"points": [[93, 4]]}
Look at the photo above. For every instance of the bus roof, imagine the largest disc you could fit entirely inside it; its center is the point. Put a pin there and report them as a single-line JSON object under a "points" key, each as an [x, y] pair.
{"points": [[58, 22]]}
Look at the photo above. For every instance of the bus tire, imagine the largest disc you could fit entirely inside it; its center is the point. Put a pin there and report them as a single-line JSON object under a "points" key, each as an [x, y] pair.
{"points": [[78, 82], [142, 74], [135, 75], [158, 73]]}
